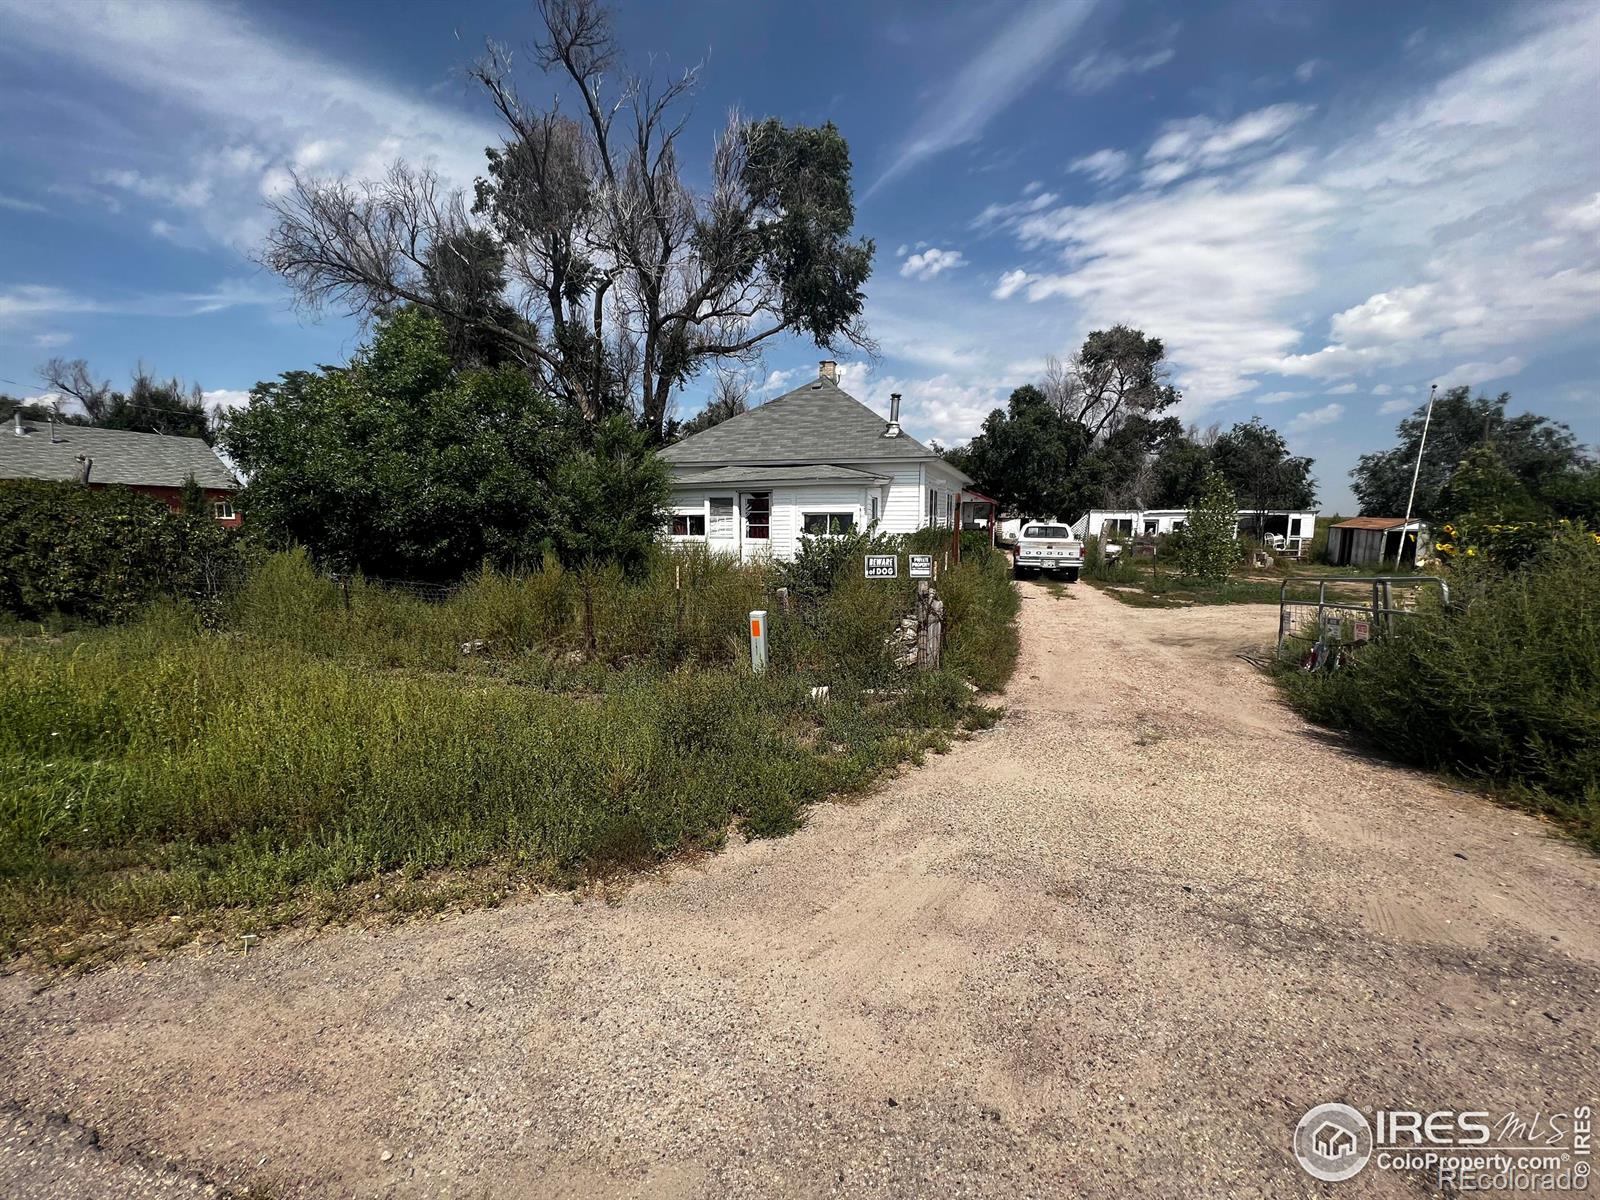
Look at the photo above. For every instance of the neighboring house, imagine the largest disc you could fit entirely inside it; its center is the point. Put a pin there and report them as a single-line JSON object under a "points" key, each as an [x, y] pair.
{"points": [[151, 463], [1290, 530], [1371, 541], [813, 461]]}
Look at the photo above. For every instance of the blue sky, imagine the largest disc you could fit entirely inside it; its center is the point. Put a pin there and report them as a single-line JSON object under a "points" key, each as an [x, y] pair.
{"points": [[1322, 207]]}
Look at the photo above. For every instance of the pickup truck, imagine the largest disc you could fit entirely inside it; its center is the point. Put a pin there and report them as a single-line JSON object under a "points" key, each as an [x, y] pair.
{"points": [[1042, 547]]}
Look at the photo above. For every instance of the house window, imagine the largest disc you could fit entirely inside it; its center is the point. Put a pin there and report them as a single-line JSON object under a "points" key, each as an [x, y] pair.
{"points": [[722, 517], [1149, 526], [222, 510], [1121, 524], [823, 524], [1294, 527], [874, 510], [688, 525], [758, 516]]}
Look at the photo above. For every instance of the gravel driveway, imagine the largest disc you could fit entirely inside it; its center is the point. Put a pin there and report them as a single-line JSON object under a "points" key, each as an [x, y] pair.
{"points": [[1115, 946]]}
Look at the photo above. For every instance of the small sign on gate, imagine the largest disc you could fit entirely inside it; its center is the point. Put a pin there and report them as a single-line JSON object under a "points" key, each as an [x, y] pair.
{"points": [[883, 566], [1332, 626], [1363, 631], [921, 566]]}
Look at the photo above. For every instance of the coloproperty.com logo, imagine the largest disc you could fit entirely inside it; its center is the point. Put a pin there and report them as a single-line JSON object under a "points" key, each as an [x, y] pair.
{"points": [[1468, 1151]]}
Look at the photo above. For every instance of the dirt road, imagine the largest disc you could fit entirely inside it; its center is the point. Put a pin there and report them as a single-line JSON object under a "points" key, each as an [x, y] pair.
{"points": [[1116, 946]]}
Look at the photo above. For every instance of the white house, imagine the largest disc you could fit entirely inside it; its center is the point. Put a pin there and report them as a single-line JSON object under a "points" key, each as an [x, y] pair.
{"points": [[813, 461], [1296, 528]]}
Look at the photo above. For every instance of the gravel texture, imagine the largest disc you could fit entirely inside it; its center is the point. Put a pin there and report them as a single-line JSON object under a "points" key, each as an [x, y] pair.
{"points": [[1115, 946]]}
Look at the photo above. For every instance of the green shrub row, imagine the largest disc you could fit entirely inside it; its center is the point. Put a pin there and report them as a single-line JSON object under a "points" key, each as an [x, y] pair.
{"points": [[102, 554], [1503, 685]]}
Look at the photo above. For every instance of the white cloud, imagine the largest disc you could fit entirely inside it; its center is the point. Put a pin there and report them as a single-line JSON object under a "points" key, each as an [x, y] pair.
{"points": [[226, 398], [1000, 214], [1473, 373], [1317, 417], [1583, 216], [1098, 71], [1276, 397], [51, 340], [1200, 143], [1019, 52], [1146, 258], [18, 204], [1010, 283], [1383, 389], [1389, 407], [1344, 389], [23, 304], [1461, 216], [931, 262], [256, 105], [1307, 70], [1102, 166]]}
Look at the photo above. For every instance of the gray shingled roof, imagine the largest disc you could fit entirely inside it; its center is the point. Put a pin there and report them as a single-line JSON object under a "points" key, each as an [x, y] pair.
{"points": [[690, 476], [120, 456], [815, 423]]}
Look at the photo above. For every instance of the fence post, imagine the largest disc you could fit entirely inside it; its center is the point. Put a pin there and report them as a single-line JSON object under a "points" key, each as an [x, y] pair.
{"points": [[783, 601], [758, 641]]}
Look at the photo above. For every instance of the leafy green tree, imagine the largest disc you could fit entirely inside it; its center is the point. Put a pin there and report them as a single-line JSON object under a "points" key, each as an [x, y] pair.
{"points": [[1027, 456], [1083, 439], [586, 255], [1484, 491], [1535, 449], [1206, 546], [609, 500], [1255, 461], [403, 465], [1178, 470]]}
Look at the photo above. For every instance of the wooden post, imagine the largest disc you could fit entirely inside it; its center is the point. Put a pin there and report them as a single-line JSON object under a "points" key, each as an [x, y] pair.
{"points": [[783, 601], [930, 626], [955, 532]]}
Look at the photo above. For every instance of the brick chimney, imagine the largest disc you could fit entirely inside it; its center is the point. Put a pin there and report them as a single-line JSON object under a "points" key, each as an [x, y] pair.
{"points": [[829, 370]]}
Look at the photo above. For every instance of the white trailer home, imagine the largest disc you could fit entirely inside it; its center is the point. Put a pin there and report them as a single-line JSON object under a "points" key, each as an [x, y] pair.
{"points": [[813, 461], [1289, 530]]}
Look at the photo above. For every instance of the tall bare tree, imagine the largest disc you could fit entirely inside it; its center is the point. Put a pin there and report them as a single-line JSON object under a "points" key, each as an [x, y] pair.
{"points": [[584, 255]]}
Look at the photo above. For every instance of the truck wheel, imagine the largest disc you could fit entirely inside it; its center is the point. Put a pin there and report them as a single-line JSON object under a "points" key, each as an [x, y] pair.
{"points": [[1072, 574], [1021, 573]]}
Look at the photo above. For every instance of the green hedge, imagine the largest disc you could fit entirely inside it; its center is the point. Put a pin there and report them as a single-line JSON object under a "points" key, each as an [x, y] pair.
{"points": [[101, 554]]}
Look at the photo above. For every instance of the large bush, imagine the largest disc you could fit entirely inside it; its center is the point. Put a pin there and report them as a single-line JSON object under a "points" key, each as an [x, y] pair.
{"points": [[101, 554], [1505, 685], [404, 466]]}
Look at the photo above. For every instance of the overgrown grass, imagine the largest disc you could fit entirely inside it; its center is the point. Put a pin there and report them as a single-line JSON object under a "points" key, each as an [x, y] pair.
{"points": [[319, 747], [1504, 687]]}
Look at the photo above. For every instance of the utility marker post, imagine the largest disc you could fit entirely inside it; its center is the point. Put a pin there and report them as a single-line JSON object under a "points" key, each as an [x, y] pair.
{"points": [[758, 641]]}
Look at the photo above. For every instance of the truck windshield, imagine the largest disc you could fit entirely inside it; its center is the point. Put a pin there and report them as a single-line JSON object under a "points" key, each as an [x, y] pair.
{"points": [[1047, 531]]}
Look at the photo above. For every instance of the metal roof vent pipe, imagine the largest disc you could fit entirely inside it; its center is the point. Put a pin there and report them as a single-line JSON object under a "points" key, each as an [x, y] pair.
{"points": [[828, 370], [16, 417], [893, 428]]}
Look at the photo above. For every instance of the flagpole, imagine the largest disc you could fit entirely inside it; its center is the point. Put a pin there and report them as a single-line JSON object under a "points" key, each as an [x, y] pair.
{"points": [[1415, 471]]}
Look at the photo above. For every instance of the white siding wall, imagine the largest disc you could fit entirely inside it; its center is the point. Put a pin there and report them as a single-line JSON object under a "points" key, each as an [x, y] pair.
{"points": [[944, 484], [902, 499]]}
